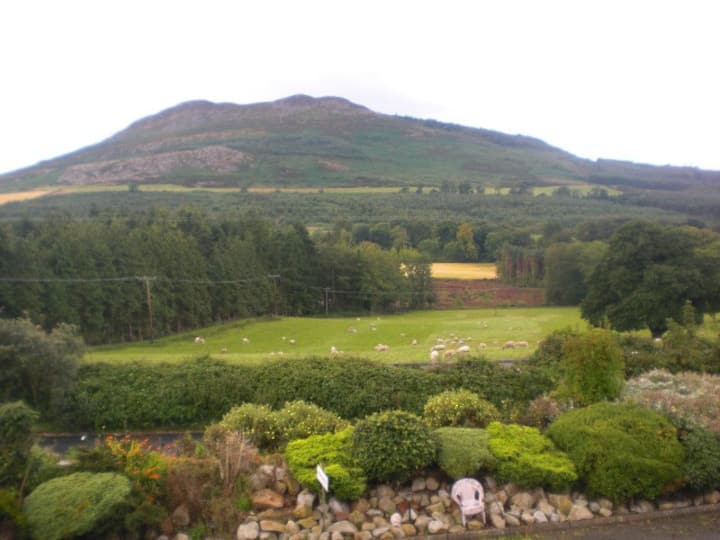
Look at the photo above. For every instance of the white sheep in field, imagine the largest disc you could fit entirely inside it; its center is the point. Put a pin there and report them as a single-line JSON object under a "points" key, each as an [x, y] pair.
{"points": [[450, 353], [463, 349], [380, 347], [521, 344], [223, 350], [482, 345], [508, 345], [292, 342], [434, 356], [200, 340], [333, 350], [245, 340], [413, 342], [439, 347]]}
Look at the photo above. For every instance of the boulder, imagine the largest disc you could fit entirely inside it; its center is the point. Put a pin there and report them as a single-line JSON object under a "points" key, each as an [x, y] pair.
{"points": [[361, 505], [512, 520], [409, 529], [431, 484], [396, 520], [497, 521], [540, 517], [343, 527], [248, 531], [385, 491], [545, 507], [579, 512], [180, 517], [268, 525], [418, 484], [642, 507], [523, 500], [563, 503], [713, 497], [267, 498], [387, 505], [436, 526]]}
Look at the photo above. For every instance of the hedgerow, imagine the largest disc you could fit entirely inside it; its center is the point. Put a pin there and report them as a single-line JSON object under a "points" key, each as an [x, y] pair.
{"points": [[463, 451]]}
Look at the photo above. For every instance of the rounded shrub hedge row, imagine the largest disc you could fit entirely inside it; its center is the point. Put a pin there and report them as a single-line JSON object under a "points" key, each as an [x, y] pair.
{"points": [[197, 392]]}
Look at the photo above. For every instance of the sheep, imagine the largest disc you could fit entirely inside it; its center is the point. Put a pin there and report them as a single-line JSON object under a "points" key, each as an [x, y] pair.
{"points": [[245, 340], [450, 353], [463, 349], [413, 342], [438, 347], [482, 345], [223, 350], [333, 350], [434, 356], [380, 347], [352, 330], [508, 345], [291, 342], [200, 340], [521, 344]]}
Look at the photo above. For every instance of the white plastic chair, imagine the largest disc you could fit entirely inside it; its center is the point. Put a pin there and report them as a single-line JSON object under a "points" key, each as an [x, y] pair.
{"points": [[469, 495]]}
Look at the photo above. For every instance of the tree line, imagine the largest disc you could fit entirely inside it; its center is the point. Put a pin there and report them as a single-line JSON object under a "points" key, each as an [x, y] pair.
{"points": [[158, 272]]}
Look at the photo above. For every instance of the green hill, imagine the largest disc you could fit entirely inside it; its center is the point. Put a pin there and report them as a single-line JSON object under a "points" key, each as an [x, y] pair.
{"points": [[302, 141]]}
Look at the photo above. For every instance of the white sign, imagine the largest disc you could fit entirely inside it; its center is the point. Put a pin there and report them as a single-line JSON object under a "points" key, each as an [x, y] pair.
{"points": [[322, 477]]}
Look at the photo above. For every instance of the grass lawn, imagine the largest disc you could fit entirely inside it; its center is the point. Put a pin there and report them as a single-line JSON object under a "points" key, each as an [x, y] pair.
{"points": [[464, 270], [356, 336]]}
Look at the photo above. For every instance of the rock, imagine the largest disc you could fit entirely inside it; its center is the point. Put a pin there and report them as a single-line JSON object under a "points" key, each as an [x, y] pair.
{"points": [[410, 515], [361, 505], [338, 507], [263, 477], [540, 517], [512, 520], [579, 512], [387, 505], [387, 535], [494, 508], [527, 517], [474, 525], [436, 526], [642, 507], [666, 505], [490, 483], [545, 507], [497, 521], [268, 525], [457, 529], [431, 484], [180, 517], [409, 529], [523, 500], [437, 507], [699, 500], [379, 531], [605, 503], [396, 520], [397, 532], [713, 497], [555, 517], [502, 496], [563, 503], [363, 535], [343, 527], [267, 498], [304, 504], [385, 491], [421, 523], [356, 518], [268, 536], [511, 489], [181, 536], [418, 484], [307, 523], [291, 527], [367, 527], [605, 512], [380, 521], [336, 536], [248, 531]]}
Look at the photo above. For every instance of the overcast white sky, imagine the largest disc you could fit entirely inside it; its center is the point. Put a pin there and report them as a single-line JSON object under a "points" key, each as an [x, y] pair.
{"points": [[635, 80]]}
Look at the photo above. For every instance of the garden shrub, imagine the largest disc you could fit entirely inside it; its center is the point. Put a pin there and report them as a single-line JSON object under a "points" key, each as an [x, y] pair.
{"points": [[621, 451], [298, 420], [16, 440], [333, 452], [191, 481], [702, 459], [259, 423], [527, 458], [78, 504], [541, 412], [392, 445], [687, 398], [592, 368], [459, 408], [12, 518], [463, 451], [235, 456]]}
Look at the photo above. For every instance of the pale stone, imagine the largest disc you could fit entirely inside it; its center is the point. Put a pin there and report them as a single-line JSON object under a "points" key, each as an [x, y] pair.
{"points": [[387, 505], [385, 491], [374, 512], [594, 507], [437, 507], [555, 518], [373, 502], [523, 500], [562, 502], [642, 507], [343, 527], [579, 512], [474, 525], [272, 526], [418, 484], [512, 520], [291, 527], [490, 497], [436, 526], [361, 505], [495, 508], [379, 531], [502, 496], [395, 519], [434, 499], [336, 536], [605, 512], [490, 483], [713, 497], [356, 517], [539, 516], [367, 526], [511, 489], [527, 518], [387, 535], [497, 521], [409, 529], [380, 521], [666, 506], [457, 529], [421, 523], [181, 536], [305, 498], [410, 515], [605, 503], [267, 498], [363, 535], [307, 523], [324, 536], [338, 507], [248, 531], [397, 532], [302, 511], [431, 484], [545, 507]]}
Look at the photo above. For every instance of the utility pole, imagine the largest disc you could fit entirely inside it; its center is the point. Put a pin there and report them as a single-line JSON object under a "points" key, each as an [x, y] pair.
{"points": [[148, 296], [327, 290]]}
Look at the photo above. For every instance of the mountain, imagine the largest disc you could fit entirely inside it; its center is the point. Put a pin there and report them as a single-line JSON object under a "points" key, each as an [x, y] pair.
{"points": [[329, 141]]}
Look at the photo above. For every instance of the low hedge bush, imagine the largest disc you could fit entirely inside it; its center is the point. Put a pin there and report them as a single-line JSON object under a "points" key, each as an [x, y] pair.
{"points": [[527, 458], [393, 445], [259, 423], [459, 408], [463, 451], [298, 420], [621, 451], [78, 504], [333, 452], [702, 459]]}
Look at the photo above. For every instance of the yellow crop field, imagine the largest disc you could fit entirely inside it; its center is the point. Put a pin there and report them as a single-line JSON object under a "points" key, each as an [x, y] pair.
{"points": [[464, 271], [21, 196]]}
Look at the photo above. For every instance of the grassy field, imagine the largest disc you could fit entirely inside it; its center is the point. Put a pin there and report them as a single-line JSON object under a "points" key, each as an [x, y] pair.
{"points": [[356, 336], [21, 196], [464, 271]]}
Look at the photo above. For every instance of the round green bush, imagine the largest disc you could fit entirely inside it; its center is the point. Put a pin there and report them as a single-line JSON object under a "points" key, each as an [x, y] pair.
{"points": [[333, 452], [259, 423], [77, 504], [463, 451], [527, 458], [459, 408], [621, 451], [392, 445], [298, 420], [702, 459]]}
